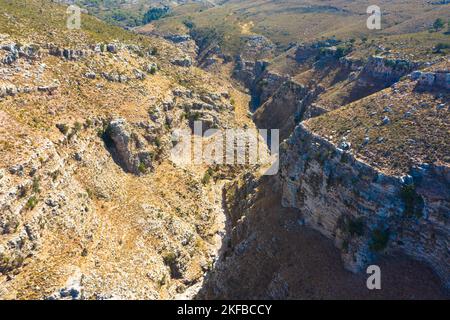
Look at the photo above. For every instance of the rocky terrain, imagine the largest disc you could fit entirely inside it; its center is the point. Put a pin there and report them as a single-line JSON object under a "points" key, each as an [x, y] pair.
{"points": [[273, 253], [88, 208], [92, 206]]}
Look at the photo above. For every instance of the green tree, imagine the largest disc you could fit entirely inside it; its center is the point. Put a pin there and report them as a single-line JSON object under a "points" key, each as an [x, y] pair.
{"points": [[438, 24], [154, 14]]}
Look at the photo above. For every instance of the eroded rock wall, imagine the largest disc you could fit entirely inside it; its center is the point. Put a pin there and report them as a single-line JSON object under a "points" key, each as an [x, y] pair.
{"points": [[364, 211], [286, 107], [388, 70]]}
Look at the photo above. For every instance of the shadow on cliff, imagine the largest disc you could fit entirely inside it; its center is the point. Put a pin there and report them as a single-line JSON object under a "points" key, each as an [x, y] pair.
{"points": [[270, 255]]}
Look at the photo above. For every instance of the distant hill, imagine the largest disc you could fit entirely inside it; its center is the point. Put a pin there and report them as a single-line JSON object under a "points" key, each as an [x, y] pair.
{"points": [[132, 13], [289, 21]]}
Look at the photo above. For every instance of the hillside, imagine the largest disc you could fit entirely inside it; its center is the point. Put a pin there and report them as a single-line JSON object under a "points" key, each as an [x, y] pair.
{"points": [[233, 23], [129, 14], [86, 187]]}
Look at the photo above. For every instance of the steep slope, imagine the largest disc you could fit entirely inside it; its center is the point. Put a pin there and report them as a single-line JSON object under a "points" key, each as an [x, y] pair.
{"points": [[87, 201], [373, 175], [377, 188], [272, 254]]}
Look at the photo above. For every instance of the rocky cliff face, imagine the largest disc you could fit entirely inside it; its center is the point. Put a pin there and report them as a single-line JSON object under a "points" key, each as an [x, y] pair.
{"points": [[388, 70], [363, 210], [261, 82], [270, 253], [329, 78], [429, 80], [286, 107]]}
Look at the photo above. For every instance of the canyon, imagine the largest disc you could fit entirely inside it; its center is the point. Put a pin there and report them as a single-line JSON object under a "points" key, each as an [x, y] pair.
{"points": [[93, 207]]}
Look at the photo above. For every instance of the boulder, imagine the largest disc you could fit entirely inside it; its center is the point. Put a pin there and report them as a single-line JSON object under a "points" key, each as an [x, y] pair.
{"points": [[126, 147], [151, 67], [111, 47], [182, 62], [90, 75], [139, 74]]}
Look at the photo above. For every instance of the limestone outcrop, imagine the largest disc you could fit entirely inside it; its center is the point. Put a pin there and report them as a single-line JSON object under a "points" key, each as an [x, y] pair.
{"points": [[127, 147], [288, 105], [389, 70], [363, 210], [439, 79]]}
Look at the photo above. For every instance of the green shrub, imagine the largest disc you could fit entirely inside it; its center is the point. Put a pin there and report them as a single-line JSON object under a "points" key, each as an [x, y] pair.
{"points": [[158, 142], [63, 128], [77, 126], [438, 24], [189, 24], [413, 201], [35, 186], [142, 167], [195, 116], [170, 258], [379, 240], [90, 193], [154, 14], [31, 203], [55, 175], [342, 51], [207, 176], [152, 70], [356, 227], [389, 63], [162, 281], [154, 52]]}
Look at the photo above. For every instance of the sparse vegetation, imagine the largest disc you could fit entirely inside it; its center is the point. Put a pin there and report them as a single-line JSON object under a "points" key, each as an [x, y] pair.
{"points": [[441, 47], [36, 185], [142, 168], [167, 218], [438, 24], [379, 240], [207, 176], [31, 203], [413, 201], [77, 126], [355, 227]]}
